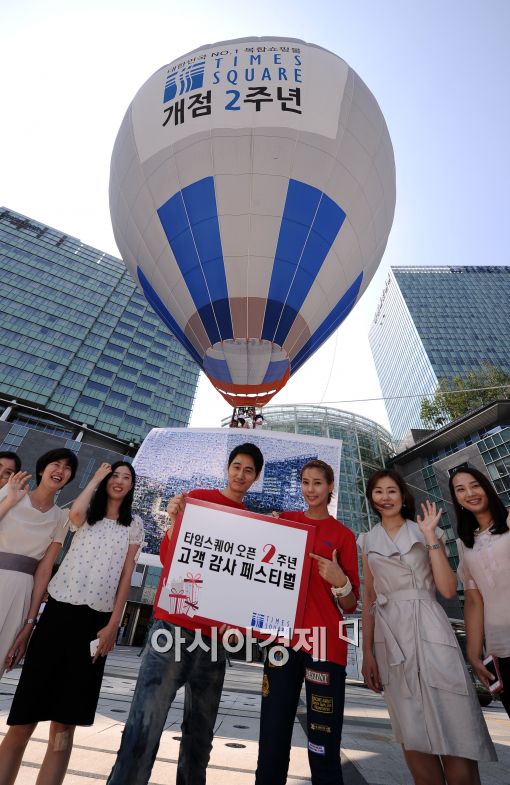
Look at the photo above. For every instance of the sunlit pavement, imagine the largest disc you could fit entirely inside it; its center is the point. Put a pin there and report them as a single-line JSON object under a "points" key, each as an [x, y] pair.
{"points": [[369, 754]]}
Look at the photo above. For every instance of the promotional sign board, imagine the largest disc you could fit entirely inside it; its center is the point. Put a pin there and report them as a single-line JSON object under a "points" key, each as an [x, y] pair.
{"points": [[233, 566]]}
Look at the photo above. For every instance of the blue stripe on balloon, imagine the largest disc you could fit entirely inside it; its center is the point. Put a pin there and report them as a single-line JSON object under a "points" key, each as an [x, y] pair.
{"points": [[275, 371], [190, 221], [329, 325], [218, 369], [163, 313], [310, 224]]}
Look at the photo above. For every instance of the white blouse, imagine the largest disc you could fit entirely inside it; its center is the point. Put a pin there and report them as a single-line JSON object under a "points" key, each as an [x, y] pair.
{"points": [[486, 567], [28, 531], [90, 571]]}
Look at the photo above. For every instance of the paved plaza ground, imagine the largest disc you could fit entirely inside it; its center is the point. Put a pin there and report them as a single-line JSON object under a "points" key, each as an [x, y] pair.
{"points": [[370, 756]]}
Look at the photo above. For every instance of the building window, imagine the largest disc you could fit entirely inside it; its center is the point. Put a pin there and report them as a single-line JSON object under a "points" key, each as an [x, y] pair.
{"points": [[86, 400]]}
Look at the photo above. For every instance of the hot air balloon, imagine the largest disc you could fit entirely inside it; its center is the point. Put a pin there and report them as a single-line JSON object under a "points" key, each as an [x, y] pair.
{"points": [[252, 192]]}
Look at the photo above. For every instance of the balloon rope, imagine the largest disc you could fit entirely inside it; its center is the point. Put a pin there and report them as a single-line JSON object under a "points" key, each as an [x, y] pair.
{"points": [[333, 358]]}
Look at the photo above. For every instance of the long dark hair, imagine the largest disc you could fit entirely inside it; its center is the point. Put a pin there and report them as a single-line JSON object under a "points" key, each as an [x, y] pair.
{"points": [[98, 505], [408, 503], [466, 520]]}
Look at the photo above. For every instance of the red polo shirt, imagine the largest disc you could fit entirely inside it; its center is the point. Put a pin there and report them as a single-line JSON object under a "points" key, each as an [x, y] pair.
{"points": [[320, 607]]}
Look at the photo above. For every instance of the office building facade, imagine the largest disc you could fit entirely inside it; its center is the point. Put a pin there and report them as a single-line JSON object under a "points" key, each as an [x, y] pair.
{"points": [[433, 323], [29, 433], [80, 341]]}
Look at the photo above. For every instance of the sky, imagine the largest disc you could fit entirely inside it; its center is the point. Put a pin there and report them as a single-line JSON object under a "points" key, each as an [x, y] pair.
{"points": [[439, 70]]}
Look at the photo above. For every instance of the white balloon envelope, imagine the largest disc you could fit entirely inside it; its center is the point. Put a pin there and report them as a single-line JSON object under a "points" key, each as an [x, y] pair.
{"points": [[252, 192]]}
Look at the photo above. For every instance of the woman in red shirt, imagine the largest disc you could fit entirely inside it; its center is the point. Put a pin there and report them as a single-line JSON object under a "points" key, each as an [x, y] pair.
{"points": [[333, 588]]}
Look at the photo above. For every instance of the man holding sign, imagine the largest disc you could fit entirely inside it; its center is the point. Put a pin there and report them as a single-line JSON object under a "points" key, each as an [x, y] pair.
{"points": [[166, 668]]}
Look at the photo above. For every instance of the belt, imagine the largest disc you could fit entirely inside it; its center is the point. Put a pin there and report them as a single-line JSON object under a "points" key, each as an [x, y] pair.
{"points": [[394, 653], [18, 563], [406, 594]]}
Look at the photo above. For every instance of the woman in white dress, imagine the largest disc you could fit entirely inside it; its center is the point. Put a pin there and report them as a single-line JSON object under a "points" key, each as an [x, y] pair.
{"points": [[484, 568], [62, 674], [32, 530], [409, 648]]}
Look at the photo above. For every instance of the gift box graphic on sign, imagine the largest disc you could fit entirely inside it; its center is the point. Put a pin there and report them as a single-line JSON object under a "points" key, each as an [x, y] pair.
{"points": [[177, 596], [183, 595], [193, 587]]}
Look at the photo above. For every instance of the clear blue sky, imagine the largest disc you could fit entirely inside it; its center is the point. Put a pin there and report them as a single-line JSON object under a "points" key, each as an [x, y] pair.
{"points": [[440, 71]]}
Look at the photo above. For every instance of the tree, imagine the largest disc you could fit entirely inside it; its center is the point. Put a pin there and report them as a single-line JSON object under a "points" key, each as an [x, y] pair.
{"points": [[459, 395]]}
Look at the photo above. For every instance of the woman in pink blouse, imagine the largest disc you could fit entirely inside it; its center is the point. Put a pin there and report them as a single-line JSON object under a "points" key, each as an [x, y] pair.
{"points": [[484, 568]]}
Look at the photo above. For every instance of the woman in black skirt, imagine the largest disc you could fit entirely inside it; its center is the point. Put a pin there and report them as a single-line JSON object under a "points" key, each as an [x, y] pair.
{"points": [[64, 665]]}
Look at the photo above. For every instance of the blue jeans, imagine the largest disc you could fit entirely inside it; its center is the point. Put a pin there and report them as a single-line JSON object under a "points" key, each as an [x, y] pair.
{"points": [[161, 675], [325, 694]]}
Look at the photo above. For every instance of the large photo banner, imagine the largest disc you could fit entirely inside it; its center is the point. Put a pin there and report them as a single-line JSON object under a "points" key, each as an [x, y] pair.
{"points": [[237, 567], [173, 460]]}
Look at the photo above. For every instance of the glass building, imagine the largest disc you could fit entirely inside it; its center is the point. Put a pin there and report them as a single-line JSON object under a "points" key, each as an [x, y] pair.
{"points": [[366, 447], [79, 340], [433, 323]]}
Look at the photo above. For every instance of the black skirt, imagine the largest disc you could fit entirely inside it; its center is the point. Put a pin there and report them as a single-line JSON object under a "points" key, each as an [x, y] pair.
{"points": [[59, 681]]}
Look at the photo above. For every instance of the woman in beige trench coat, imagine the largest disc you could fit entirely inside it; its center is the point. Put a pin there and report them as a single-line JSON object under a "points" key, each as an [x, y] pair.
{"points": [[409, 648]]}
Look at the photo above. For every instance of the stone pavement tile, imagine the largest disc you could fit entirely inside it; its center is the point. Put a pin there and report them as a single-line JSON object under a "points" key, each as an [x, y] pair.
{"points": [[241, 778], [164, 773], [299, 762], [368, 743], [243, 704], [84, 760], [114, 712], [173, 722], [28, 775], [499, 729], [363, 712], [103, 721], [299, 737], [239, 727], [492, 776], [377, 757], [236, 758], [497, 773], [107, 738], [380, 760], [169, 747]]}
